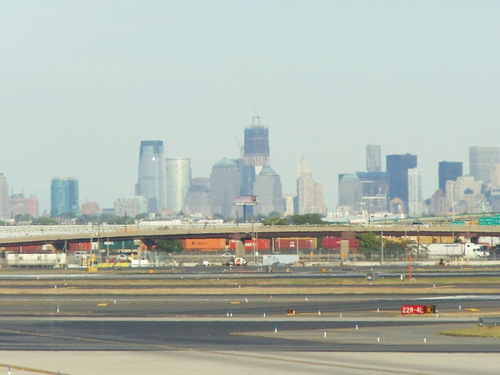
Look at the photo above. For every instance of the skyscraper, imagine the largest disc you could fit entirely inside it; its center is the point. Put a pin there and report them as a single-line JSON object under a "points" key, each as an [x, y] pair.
{"points": [[199, 197], [268, 188], [151, 181], [414, 192], [178, 176], [495, 176], [481, 161], [397, 167], [350, 193], [375, 188], [64, 197], [256, 155], [225, 186], [4, 197], [256, 149], [19, 205], [449, 170], [373, 158], [309, 192]]}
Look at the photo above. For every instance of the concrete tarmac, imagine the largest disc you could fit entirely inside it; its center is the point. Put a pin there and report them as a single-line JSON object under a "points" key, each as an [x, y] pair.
{"points": [[216, 363]]}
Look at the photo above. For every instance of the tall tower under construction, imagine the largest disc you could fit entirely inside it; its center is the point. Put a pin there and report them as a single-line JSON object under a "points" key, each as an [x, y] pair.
{"points": [[256, 149]]}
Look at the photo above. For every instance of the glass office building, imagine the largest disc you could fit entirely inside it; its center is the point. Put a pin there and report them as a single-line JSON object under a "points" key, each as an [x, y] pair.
{"points": [[64, 197]]}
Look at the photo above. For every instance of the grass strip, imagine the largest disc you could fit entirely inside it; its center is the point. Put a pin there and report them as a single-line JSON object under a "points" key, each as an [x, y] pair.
{"points": [[479, 331]]}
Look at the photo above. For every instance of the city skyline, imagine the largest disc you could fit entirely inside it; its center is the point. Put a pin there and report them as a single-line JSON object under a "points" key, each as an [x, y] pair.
{"points": [[151, 153], [84, 82]]}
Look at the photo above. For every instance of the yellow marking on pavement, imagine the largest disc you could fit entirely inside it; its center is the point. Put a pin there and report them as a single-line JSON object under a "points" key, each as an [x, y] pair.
{"points": [[27, 369], [472, 309], [234, 302], [102, 304]]}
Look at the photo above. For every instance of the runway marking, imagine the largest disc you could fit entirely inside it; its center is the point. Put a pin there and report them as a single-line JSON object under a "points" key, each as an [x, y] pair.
{"points": [[38, 334], [28, 369], [87, 339], [310, 362]]}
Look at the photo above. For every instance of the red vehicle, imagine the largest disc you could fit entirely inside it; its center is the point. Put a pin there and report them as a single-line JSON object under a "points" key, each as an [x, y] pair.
{"points": [[240, 262]]}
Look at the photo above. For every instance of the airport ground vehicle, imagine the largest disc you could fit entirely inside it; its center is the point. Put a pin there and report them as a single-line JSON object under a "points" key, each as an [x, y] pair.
{"points": [[470, 250], [240, 262]]}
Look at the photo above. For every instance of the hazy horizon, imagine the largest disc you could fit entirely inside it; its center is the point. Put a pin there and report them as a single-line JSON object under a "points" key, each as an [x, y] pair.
{"points": [[83, 82]]}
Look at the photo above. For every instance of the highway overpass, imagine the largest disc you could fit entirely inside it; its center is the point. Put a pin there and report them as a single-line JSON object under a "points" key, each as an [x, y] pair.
{"points": [[59, 236]]}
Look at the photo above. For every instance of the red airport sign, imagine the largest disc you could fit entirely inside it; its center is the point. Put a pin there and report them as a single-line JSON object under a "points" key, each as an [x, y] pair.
{"points": [[418, 309], [412, 309]]}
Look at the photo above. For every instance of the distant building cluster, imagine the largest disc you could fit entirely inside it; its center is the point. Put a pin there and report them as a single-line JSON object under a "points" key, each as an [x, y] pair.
{"points": [[398, 190], [247, 186], [167, 187]]}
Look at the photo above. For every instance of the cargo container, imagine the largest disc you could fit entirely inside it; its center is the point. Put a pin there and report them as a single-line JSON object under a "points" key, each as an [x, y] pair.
{"points": [[434, 239], [26, 249], [74, 246], [36, 260], [204, 244], [296, 244], [260, 244], [118, 245], [488, 241], [334, 243]]}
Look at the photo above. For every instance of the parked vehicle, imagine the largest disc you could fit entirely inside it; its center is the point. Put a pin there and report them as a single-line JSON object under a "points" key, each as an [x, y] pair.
{"points": [[471, 250], [240, 262]]}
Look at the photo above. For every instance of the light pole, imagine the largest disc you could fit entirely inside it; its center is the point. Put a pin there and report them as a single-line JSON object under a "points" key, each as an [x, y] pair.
{"points": [[382, 246]]}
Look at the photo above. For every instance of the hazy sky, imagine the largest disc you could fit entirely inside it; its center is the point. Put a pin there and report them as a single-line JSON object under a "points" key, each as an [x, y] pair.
{"points": [[83, 82]]}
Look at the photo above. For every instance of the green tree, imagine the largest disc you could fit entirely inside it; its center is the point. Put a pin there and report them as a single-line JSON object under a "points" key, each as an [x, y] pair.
{"points": [[307, 219], [44, 220], [368, 242], [169, 246], [24, 217], [142, 216], [275, 221]]}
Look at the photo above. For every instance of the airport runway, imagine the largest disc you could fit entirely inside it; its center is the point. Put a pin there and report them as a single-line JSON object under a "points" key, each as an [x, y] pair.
{"points": [[214, 334]]}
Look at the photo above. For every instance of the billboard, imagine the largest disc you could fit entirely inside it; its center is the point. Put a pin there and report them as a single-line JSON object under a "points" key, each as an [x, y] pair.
{"points": [[245, 200]]}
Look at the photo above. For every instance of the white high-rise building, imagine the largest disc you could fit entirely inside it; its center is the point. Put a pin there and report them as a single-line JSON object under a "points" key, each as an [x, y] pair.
{"points": [[178, 177], [481, 161], [309, 192], [414, 192], [4, 197], [495, 176]]}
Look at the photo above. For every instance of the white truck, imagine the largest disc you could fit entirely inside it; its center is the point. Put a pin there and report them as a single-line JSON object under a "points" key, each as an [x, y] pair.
{"points": [[467, 250]]}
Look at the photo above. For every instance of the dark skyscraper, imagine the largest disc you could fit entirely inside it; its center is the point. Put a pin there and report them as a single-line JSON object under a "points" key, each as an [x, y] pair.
{"points": [[151, 181], [449, 170], [373, 158], [397, 167], [255, 156], [256, 149]]}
